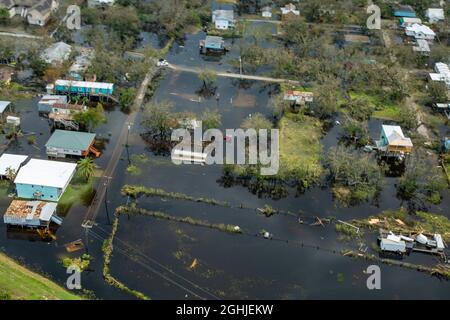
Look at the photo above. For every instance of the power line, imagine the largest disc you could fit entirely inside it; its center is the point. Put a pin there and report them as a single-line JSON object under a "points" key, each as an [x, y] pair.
{"points": [[159, 264]]}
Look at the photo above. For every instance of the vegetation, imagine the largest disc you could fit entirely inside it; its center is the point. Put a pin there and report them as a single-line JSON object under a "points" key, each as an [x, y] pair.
{"points": [[91, 118], [136, 191], [81, 263], [133, 170], [211, 119], [31, 139], [86, 168], [346, 232], [257, 121], [161, 215], [19, 283], [126, 97], [355, 177]]}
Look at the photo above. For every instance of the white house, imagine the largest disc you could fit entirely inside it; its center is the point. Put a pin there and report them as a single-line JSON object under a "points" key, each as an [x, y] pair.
{"points": [[223, 19], [289, 10], [434, 14], [420, 31], [266, 12], [442, 73], [422, 46]]}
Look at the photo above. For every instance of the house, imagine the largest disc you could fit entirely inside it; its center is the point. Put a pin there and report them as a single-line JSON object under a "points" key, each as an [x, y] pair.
{"points": [[266, 12], [442, 73], [434, 15], [422, 46], [64, 143], [390, 242], [100, 3], [82, 87], [289, 11], [32, 214], [81, 63], [299, 97], [404, 11], [47, 101], [393, 140], [44, 179], [420, 31], [36, 12], [212, 44], [10, 162], [405, 21], [223, 19], [57, 53]]}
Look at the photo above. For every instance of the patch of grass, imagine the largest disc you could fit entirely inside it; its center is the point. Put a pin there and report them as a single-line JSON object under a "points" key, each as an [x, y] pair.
{"points": [[139, 158], [31, 139], [434, 223], [134, 170], [17, 282], [80, 262], [384, 111], [78, 191], [347, 233], [300, 148]]}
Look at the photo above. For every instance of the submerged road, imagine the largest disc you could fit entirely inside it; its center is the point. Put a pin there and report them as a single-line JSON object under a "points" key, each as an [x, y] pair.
{"points": [[230, 74], [105, 180]]}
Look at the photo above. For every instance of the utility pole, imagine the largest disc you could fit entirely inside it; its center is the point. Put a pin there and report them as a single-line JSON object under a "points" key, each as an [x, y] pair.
{"points": [[240, 66], [87, 225]]}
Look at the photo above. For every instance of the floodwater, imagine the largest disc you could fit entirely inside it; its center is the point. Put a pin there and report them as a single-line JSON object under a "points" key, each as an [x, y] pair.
{"points": [[166, 259]]}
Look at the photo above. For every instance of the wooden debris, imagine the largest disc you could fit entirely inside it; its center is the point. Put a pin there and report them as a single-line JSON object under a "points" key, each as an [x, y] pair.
{"points": [[74, 245]]}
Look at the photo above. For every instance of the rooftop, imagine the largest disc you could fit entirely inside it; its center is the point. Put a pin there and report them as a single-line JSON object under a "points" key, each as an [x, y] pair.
{"points": [[73, 140], [46, 173], [12, 161], [31, 210], [395, 136], [4, 105]]}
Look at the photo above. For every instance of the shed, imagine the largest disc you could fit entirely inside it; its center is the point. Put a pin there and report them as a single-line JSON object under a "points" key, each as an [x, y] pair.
{"points": [[44, 179], [30, 213], [405, 21], [422, 46], [214, 43], [404, 11], [63, 143], [11, 161]]}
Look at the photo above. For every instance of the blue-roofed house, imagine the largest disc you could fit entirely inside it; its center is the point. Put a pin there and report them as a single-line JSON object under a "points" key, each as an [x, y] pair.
{"points": [[212, 44], [404, 11]]}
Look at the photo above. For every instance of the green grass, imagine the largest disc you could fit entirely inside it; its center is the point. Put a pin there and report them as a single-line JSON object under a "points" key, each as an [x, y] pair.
{"points": [[300, 148], [17, 282], [384, 111], [78, 191], [431, 223]]}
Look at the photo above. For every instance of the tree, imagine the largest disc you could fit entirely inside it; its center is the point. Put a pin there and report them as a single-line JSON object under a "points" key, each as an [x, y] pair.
{"points": [[158, 119], [438, 91], [208, 77], [10, 174], [257, 121], [356, 131], [126, 96], [4, 16], [211, 119], [86, 168], [325, 100], [91, 118], [360, 109]]}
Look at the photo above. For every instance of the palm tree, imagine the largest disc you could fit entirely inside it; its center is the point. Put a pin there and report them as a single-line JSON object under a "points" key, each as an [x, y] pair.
{"points": [[10, 173], [86, 168]]}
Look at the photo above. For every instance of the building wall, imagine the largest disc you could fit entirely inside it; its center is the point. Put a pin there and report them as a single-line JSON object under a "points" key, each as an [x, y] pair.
{"points": [[83, 90], [222, 24], [28, 191], [62, 152]]}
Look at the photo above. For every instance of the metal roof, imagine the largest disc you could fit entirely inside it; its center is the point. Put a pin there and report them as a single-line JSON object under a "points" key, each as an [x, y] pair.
{"points": [[4, 105], [73, 140], [46, 173], [12, 161]]}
